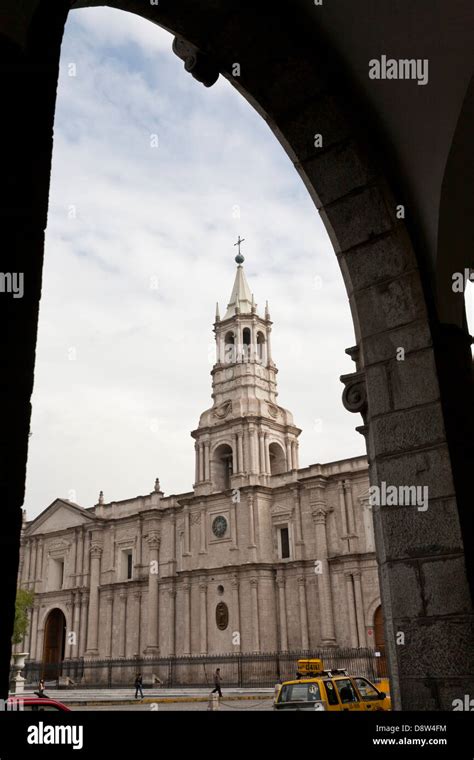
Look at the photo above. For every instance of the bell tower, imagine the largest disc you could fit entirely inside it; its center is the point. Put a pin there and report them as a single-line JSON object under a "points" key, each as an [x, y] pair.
{"points": [[245, 438]]}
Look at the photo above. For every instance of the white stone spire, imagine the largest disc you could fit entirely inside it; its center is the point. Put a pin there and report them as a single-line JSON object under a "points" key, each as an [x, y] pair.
{"points": [[241, 297]]}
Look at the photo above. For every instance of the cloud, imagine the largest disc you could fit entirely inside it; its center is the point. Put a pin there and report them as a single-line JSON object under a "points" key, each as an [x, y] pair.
{"points": [[139, 247]]}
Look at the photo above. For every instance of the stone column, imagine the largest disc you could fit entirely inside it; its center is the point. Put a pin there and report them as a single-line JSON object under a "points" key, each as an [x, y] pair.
{"points": [[134, 629], [34, 632], [280, 581], [172, 621], [207, 474], [70, 577], [79, 556], [83, 625], [93, 621], [109, 619], [122, 624], [269, 347], [201, 461], [235, 462], [76, 624], [236, 611], [303, 613], [294, 458], [342, 507], [138, 556], [26, 563], [39, 560], [187, 530], [253, 450], [202, 528], [328, 636], [255, 617], [267, 455], [68, 648], [153, 541], [263, 468], [359, 607], [297, 506], [351, 610], [241, 453], [233, 523], [252, 543], [187, 617], [248, 452], [203, 616], [86, 558], [32, 577], [350, 508], [196, 462]]}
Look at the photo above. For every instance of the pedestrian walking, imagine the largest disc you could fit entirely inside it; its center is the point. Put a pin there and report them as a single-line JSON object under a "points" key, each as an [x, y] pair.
{"points": [[40, 692], [139, 686], [217, 682]]}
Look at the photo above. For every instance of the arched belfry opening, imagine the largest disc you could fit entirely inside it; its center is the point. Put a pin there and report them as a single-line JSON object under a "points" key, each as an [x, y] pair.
{"points": [[246, 344], [222, 467], [277, 459], [261, 347], [54, 644]]}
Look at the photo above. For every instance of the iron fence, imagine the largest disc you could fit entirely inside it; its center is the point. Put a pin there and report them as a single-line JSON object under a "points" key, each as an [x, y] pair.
{"points": [[237, 669]]}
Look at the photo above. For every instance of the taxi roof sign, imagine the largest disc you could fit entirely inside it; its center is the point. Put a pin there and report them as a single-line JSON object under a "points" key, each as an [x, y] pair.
{"points": [[308, 666]]}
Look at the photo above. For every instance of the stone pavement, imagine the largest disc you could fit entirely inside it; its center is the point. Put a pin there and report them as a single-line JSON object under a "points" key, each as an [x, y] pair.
{"points": [[126, 696]]}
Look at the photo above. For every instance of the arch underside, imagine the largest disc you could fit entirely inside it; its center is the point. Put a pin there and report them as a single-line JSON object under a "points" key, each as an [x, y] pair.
{"points": [[299, 89]]}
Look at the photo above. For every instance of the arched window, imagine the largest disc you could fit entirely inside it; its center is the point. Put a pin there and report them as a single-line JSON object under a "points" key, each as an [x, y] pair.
{"points": [[229, 348], [277, 459], [261, 347], [221, 467]]}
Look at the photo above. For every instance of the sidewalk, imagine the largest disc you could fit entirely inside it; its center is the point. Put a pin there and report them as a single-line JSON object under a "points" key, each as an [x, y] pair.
{"points": [[126, 696]]}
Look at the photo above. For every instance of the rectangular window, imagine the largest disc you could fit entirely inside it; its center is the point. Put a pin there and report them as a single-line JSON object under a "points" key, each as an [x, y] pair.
{"points": [[61, 573], [284, 543], [126, 564]]}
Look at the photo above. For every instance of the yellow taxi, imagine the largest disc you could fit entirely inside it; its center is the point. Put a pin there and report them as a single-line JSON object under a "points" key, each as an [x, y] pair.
{"points": [[331, 690]]}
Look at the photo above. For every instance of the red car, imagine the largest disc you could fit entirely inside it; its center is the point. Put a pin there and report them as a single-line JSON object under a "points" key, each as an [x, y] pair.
{"points": [[36, 704]]}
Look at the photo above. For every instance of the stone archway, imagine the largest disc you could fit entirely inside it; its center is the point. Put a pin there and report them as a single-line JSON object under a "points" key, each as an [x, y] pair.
{"points": [[54, 642], [302, 92]]}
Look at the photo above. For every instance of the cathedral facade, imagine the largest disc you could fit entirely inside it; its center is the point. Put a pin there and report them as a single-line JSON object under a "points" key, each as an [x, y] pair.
{"points": [[261, 556]]}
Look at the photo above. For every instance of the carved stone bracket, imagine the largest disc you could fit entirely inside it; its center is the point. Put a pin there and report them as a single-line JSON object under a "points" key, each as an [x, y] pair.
{"points": [[197, 63], [354, 395]]}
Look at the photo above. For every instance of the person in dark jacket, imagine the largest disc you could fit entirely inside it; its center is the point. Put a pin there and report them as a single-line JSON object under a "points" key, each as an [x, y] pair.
{"points": [[40, 692], [139, 686], [217, 682]]}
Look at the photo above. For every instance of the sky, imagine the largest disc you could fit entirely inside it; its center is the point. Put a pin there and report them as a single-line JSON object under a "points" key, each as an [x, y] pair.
{"points": [[153, 178]]}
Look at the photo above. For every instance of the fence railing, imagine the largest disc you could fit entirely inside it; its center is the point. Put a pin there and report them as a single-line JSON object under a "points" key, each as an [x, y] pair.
{"points": [[237, 669]]}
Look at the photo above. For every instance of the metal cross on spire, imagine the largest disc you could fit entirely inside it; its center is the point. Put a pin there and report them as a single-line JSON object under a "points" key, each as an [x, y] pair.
{"points": [[239, 258]]}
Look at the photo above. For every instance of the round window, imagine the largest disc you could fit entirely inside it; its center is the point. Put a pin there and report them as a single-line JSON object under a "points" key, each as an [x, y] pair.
{"points": [[219, 526]]}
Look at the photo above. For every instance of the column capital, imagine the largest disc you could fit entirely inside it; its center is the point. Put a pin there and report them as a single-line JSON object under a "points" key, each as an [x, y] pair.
{"points": [[153, 540], [253, 582], [319, 516], [95, 550], [301, 580]]}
